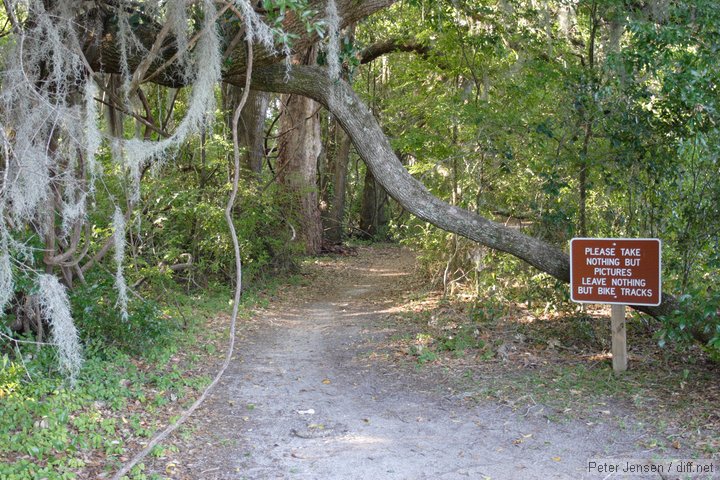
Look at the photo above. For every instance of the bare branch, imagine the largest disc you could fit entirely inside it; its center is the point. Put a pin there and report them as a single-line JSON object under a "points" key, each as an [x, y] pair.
{"points": [[392, 45]]}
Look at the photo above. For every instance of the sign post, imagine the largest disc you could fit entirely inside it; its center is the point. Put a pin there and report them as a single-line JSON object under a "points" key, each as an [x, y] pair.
{"points": [[619, 272], [619, 338]]}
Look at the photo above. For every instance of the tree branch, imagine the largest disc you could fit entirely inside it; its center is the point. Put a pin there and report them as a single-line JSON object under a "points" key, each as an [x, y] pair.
{"points": [[390, 46], [105, 55], [374, 148]]}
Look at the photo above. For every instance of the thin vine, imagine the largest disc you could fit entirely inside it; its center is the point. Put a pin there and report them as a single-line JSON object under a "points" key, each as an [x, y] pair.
{"points": [[238, 280]]}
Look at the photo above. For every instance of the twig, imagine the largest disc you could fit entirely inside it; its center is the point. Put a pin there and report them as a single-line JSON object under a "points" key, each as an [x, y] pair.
{"points": [[22, 360], [177, 306], [137, 117], [129, 288], [104, 249]]}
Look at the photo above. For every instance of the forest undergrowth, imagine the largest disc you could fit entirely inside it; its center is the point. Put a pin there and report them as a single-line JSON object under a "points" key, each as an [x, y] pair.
{"points": [[131, 385]]}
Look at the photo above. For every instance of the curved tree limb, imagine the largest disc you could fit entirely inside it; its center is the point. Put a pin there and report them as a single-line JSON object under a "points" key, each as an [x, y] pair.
{"points": [[372, 52], [374, 148]]}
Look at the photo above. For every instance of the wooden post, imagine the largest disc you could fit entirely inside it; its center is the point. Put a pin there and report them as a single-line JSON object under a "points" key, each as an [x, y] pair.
{"points": [[619, 343]]}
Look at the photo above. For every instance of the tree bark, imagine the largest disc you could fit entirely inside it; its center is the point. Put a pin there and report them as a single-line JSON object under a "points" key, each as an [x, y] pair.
{"points": [[392, 45], [373, 211], [335, 220], [299, 148], [375, 149], [251, 128], [298, 152]]}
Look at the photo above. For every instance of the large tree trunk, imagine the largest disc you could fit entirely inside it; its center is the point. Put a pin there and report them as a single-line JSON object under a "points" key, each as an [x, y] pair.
{"points": [[374, 148], [300, 145]]}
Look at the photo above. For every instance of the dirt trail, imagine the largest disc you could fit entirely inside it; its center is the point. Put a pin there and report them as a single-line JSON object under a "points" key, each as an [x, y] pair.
{"points": [[305, 399]]}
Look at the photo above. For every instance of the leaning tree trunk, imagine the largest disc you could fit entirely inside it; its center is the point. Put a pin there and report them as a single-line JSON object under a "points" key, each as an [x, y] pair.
{"points": [[374, 148]]}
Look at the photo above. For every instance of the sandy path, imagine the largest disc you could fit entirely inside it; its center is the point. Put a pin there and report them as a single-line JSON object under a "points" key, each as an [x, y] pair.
{"points": [[306, 400]]}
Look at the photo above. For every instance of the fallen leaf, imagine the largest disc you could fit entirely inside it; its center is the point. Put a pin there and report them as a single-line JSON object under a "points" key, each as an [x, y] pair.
{"points": [[520, 440], [556, 459], [327, 381]]}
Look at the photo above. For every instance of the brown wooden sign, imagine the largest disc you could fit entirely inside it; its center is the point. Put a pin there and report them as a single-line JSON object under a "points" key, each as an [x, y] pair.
{"points": [[623, 271]]}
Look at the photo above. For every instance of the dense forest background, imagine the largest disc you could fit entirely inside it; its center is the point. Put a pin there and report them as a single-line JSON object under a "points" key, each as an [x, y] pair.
{"points": [[557, 119], [570, 119]]}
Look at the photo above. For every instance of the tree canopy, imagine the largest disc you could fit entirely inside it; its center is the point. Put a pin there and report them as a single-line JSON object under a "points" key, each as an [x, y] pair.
{"points": [[589, 118]]}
